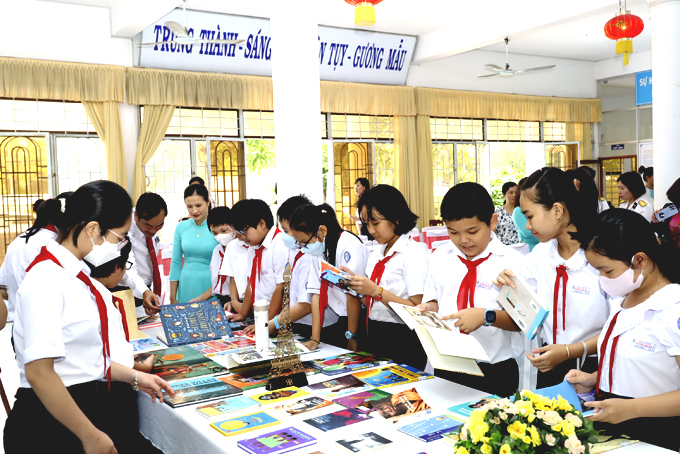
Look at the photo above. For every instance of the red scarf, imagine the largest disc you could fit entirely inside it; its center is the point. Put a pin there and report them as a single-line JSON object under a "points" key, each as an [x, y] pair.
{"points": [[257, 267], [221, 279], [121, 308], [376, 276], [466, 294], [157, 282], [51, 228], [297, 257], [612, 353], [561, 274], [323, 292]]}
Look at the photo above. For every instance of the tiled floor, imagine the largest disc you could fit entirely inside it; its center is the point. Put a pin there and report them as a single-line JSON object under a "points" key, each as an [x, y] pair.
{"points": [[9, 375]]}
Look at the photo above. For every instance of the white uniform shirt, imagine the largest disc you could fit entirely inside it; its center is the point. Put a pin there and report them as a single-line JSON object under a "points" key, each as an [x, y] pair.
{"points": [[19, 255], [602, 205], [216, 264], [122, 352], [274, 259], [649, 341], [641, 206], [235, 265], [140, 274], [587, 308], [350, 253], [57, 317], [445, 276], [404, 276], [298, 289]]}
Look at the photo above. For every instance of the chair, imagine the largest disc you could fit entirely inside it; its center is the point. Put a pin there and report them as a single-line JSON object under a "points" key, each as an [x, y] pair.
{"points": [[3, 396], [436, 244], [436, 222], [415, 234], [432, 234]]}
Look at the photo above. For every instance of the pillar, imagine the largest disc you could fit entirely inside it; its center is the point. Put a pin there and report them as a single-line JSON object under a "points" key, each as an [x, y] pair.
{"points": [[665, 23], [297, 100]]}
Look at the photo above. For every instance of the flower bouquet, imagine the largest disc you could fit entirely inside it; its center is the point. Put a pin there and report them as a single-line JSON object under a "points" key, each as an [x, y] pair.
{"points": [[529, 424]]}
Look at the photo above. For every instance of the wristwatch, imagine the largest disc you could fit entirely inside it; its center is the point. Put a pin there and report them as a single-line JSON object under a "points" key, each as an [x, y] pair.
{"points": [[349, 335], [489, 317], [378, 297]]}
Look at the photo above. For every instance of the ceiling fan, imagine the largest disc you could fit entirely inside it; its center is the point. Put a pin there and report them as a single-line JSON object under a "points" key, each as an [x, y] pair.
{"points": [[182, 34], [507, 72]]}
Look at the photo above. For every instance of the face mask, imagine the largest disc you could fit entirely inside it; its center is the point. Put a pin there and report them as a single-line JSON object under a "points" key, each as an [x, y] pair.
{"points": [[224, 238], [316, 249], [289, 241], [102, 253], [622, 285]]}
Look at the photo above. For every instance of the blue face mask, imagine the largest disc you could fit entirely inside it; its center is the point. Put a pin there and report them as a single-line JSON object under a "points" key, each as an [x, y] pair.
{"points": [[316, 249], [289, 241]]}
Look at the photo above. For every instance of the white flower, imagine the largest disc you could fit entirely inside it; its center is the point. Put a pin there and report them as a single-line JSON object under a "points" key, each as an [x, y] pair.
{"points": [[573, 444], [551, 418], [503, 415], [550, 439]]}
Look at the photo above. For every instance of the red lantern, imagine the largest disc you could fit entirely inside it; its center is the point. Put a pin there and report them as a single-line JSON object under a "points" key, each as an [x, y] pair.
{"points": [[364, 11], [623, 28]]}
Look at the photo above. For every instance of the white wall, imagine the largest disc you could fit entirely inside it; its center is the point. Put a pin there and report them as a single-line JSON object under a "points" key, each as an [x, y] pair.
{"points": [[613, 67], [571, 78]]}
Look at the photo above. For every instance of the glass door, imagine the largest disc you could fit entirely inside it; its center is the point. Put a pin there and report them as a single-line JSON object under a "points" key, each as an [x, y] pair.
{"points": [[227, 171], [563, 155], [351, 160], [612, 168]]}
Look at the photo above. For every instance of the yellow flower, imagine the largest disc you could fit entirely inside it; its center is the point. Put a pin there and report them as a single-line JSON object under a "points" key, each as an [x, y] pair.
{"points": [[526, 439], [462, 450], [562, 404], [487, 449], [525, 408], [517, 429], [531, 418], [568, 428], [535, 436], [557, 427], [478, 432], [505, 449]]}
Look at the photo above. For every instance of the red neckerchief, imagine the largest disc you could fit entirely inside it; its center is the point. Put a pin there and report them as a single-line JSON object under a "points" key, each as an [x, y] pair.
{"points": [[121, 308], [297, 257], [561, 274], [257, 267], [51, 228], [376, 276], [157, 282], [323, 292], [46, 255], [466, 293], [221, 279], [612, 353]]}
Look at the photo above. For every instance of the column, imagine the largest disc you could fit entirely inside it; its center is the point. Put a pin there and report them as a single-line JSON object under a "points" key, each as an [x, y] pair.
{"points": [[297, 105], [666, 95]]}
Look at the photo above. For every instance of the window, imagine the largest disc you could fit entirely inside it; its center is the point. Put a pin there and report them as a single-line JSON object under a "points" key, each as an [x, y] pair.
{"points": [[361, 127], [554, 132], [443, 169], [513, 131], [446, 129], [203, 122], [384, 163], [79, 161], [44, 116], [258, 124]]}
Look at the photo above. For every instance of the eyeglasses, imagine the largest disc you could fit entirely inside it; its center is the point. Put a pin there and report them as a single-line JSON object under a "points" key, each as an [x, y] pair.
{"points": [[300, 245], [128, 265], [242, 232], [122, 241]]}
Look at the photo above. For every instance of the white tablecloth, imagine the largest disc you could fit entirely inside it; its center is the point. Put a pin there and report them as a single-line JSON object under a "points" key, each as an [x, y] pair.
{"points": [[183, 431]]}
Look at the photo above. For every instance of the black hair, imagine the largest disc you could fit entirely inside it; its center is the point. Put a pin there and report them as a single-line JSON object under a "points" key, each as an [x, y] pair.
{"points": [[386, 202], [586, 184], [467, 200], [101, 201], [198, 180], [633, 182], [219, 216], [249, 212], [588, 170], [673, 193], [108, 268], [646, 172], [308, 219], [48, 212], [550, 185], [619, 234], [150, 205], [519, 190], [287, 208], [364, 182], [36, 205], [507, 186], [197, 189]]}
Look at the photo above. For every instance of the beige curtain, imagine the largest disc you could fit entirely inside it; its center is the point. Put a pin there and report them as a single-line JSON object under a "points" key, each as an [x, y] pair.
{"points": [[583, 134], [105, 117], [426, 179], [154, 127], [367, 99]]}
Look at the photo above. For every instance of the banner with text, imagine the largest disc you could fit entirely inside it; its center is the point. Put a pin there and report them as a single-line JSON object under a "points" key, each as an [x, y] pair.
{"points": [[345, 55]]}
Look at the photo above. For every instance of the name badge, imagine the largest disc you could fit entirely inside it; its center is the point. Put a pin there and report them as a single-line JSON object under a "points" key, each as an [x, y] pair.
{"points": [[264, 273], [392, 280], [580, 290], [643, 345], [484, 285]]}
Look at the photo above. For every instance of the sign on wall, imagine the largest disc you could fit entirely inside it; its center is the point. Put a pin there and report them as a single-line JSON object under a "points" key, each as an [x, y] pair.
{"points": [[344, 54], [646, 154], [643, 88]]}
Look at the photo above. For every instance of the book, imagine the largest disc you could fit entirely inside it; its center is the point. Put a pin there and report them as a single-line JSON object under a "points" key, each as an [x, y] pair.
{"points": [[445, 348], [430, 429], [300, 406], [279, 442], [279, 395], [227, 346], [368, 442], [339, 386], [348, 362], [223, 408], [199, 390], [180, 363], [257, 377], [452, 438], [265, 354], [384, 377], [337, 278], [337, 419], [194, 322], [462, 412], [610, 445], [245, 423], [145, 345], [523, 306], [363, 401], [154, 321]]}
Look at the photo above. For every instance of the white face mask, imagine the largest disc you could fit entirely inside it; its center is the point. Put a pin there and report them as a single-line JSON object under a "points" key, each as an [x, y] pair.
{"points": [[224, 238], [622, 285], [102, 253]]}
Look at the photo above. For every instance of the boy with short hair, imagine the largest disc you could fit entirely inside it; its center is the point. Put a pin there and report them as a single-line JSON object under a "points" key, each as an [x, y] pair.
{"points": [[460, 287]]}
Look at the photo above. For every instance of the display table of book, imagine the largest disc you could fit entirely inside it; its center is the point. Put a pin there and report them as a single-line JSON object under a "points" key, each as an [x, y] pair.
{"points": [[184, 430]]}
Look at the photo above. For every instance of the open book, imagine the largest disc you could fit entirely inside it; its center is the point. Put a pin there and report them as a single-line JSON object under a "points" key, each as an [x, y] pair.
{"points": [[446, 349], [523, 305]]}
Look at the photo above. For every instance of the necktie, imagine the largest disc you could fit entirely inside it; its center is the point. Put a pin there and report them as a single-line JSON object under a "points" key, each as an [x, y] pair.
{"points": [[603, 353], [157, 283], [466, 294], [257, 267], [561, 274], [121, 308]]}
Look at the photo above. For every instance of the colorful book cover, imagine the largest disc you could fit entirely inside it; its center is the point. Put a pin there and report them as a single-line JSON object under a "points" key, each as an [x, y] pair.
{"points": [[224, 407], [302, 406], [339, 386], [452, 438], [245, 423], [258, 376], [180, 363], [337, 419], [463, 411], [199, 390], [431, 429], [348, 362], [364, 401], [368, 442], [391, 376], [266, 354], [188, 323], [392, 407], [151, 322], [278, 442], [337, 278], [272, 397], [145, 344], [224, 346]]}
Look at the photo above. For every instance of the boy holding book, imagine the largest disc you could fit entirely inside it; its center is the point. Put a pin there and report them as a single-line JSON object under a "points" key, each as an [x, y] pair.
{"points": [[459, 287]]}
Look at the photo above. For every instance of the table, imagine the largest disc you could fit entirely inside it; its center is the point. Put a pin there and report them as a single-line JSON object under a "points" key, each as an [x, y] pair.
{"points": [[182, 430]]}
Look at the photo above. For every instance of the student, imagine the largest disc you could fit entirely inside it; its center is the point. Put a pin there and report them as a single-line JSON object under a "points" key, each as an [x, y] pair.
{"points": [[397, 270], [62, 348], [459, 287], [586, 184], [558, 271], [632, 195], [219, 222], [520, 221], [267, 255], [318, 233], [21, 252], [361, 187], [638, 378], [505, 230], [647, 174], [235, 267]]}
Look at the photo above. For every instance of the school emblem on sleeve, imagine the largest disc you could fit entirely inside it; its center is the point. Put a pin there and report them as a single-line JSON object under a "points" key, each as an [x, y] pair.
{"points": [[347, 256]]}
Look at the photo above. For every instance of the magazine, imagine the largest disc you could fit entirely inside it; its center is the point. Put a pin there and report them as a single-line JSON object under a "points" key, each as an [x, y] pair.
{"points": [[199, 390], [462, 412], [227, 346], [223, 408], [364, 401], [277, 442], [339, 386], [194, 322], [431, 429], [337, 278], [257, 377], [279, 395], [145, 344], [245, 423], [384, 377], [368, 442], [266, 354], [523, 306], [340, 418], [348, 362], [180, 363], [300, 406], [153, 321]]}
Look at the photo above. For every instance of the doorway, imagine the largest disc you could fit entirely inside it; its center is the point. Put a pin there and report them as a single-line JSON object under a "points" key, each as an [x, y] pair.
{"points": [[351, 160]]}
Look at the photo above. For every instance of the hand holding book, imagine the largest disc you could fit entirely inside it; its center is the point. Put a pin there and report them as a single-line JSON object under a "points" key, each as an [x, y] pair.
{"points": [[468, 320]]}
